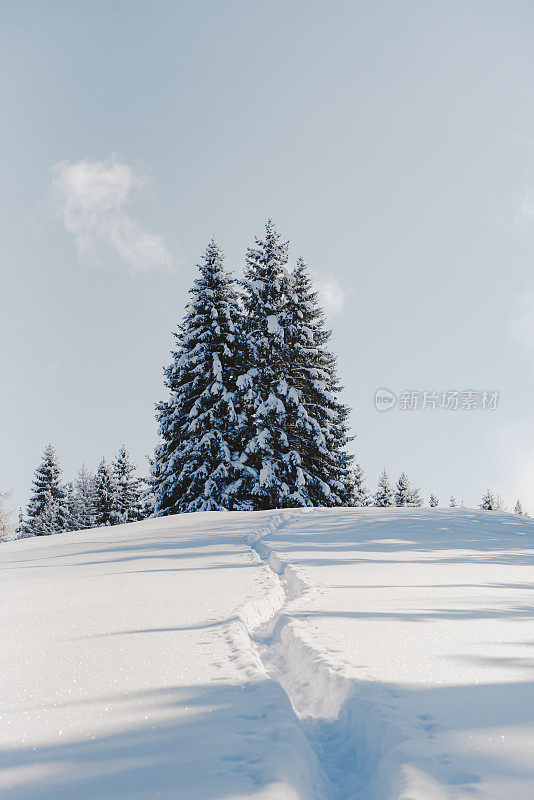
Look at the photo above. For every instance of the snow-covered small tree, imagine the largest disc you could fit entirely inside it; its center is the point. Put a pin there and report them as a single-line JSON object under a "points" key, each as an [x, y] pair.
{"points": [[415, 500], [6, 528], [46, 512], [127, 494], [85, 509], [434, 502], [452, 502], [360, 496], [489, 502], [20, 530], [70, 506], [403, 491], [384, 496], [518, 509], [104, 493], [147, 499], [196, 466]]}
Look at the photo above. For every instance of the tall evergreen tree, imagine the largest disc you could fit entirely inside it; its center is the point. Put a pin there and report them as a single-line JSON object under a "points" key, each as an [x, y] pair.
{"points": [[196, 467], [272, 465], [46, 512], [127, 494], [434, 502], [360, 496], [317, 420], [384, 494], [452, 502], [104, 494]]}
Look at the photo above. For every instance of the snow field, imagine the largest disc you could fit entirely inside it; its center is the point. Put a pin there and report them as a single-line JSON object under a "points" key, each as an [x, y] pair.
{"points": [[304, 654], [409, 658]]}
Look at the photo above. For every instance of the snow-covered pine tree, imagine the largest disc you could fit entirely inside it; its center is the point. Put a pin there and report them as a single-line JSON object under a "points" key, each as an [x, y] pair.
{"points": [[20, 530], [195, 468], [452, 502], [147, 499], [489, 502], [360, 495], [85, 499], [104, 492], [518, 509], [403, 491], [415, 500], [127, 494], [383, 496], [6, 528], [434, 502], [46, 512], [316, 419], [70, 505], [276, 429]]}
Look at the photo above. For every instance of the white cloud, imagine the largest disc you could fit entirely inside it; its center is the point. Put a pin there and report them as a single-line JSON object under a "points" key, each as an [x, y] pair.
{"points": [[331, 294], [91, 198]]}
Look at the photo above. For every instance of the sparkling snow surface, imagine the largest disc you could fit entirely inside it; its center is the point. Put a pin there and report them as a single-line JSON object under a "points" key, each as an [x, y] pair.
{"points": [[322, 654]]}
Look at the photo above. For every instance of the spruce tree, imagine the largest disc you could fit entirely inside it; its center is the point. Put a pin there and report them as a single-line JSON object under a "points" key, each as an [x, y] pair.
{"points": [[403, 491], [147, 499], [272, 465], [196, 467], [21, 531], [434, 502], [127, 494], [383, 496], [317, 420], [104, 494], [518, 509], [489, 502], [360, 495], [452, 502], [85, 499], [70, 505], [415, 500], [46, 512], [6, 528]]}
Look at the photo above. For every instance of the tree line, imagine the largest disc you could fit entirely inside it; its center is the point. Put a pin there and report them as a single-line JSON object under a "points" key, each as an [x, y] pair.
{"points": [[253, 418], [112, 496]]}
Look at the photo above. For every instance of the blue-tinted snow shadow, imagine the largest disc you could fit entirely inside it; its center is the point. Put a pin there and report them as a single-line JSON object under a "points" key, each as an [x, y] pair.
{"points": [[363, 535], [237, 740], [210, 742]]}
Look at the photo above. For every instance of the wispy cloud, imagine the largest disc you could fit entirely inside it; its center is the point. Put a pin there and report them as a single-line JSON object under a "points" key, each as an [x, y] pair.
{"points": [[332, 295], [91, 198]]}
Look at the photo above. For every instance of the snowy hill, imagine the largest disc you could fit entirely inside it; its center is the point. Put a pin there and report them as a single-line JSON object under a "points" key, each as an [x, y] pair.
{"points": [[311, 654]]}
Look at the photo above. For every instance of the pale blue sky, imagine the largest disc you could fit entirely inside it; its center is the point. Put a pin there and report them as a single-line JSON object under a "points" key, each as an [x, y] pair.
{"points": [[392, 143]]}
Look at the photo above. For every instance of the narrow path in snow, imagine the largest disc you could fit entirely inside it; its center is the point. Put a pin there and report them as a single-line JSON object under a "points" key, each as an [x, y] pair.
{"points": [[316, 693]]}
